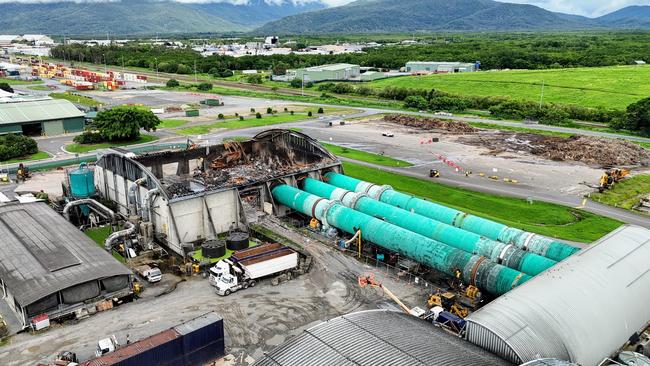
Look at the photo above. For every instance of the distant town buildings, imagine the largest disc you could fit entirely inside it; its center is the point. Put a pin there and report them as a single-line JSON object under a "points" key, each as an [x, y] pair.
{"points": [[28, 44]]}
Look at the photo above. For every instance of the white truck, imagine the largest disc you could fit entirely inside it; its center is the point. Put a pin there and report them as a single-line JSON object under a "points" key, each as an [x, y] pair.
{"points": [[247, 266], [151, 274]]}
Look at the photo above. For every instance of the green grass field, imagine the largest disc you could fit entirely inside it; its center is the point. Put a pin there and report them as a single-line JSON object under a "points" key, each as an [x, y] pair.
{"points": [[19, 82], [625, 194], [99, 235], [250, 121], [38, 156], [610, 87], [359, 155], [172, 123], [543, 218], [74, 98], [84, 148]]}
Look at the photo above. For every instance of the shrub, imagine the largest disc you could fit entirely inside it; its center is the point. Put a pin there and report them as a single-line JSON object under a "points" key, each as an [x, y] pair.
{"points": [[89, 137], [325, 86], [258, 115], [342, 88], [416, 101], [320, 110], [204, 86], [241, 118], [220, 116], [236, 114], [252, 110], [295, 83], [172, 83], [285, 109], [15, 146], [455, 104], [309, 114], [291, 113], [254, 79], [269, 110]]}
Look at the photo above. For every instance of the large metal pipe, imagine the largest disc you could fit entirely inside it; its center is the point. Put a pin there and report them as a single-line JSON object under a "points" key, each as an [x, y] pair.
{"points": [[472, 269], [147, 210], [134, 194], [128, 231], [506, 254], [91, 202], [538, 244]]}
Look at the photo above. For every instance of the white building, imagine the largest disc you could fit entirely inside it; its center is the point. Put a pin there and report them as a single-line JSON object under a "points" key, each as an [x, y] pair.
{"points": [[38, 39]]}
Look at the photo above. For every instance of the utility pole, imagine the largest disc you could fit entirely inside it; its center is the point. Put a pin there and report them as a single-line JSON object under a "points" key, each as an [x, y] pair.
{"points": [[541, 100], [156, 59], [104, 62], [195, 71]]}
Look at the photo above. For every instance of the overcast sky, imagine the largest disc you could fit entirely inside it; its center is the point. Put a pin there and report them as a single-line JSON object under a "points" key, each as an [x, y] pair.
{"points": [[591, 8]]}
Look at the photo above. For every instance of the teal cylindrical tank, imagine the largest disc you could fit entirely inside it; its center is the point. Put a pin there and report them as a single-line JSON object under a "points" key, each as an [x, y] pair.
{"points": [[82, 182]]}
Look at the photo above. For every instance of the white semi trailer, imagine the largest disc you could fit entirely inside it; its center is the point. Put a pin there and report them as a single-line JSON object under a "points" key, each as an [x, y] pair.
{"points": [[247, 266]]}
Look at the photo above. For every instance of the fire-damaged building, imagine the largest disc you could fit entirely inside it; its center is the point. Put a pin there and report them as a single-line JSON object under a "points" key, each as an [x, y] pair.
{"points": [[183, 198]]}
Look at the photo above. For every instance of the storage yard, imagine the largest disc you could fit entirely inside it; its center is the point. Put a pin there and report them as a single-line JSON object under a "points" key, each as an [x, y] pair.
{"points": [[271, 251]]}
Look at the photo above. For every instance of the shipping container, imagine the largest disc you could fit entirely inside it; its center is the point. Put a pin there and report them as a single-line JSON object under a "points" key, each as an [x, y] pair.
{"points": [[192, 113]]}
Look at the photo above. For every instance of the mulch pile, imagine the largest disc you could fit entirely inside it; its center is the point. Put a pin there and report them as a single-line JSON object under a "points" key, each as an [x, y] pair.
{"points": [[431, 123]]}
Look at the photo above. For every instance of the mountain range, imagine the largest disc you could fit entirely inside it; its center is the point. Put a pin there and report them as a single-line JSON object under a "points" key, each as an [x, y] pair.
{"points": [[271, 17]]}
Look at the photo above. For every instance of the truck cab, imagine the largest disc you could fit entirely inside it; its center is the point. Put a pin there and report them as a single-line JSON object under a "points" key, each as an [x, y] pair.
{"points": [[226, 284], [104, 346], [219, 269]]}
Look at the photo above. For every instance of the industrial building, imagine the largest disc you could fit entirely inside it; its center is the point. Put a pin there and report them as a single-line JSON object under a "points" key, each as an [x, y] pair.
{"points": [[432, 67], [48, 266], [193, 195], [362, 339], [582, 310], [333, 72], [40, 117]]}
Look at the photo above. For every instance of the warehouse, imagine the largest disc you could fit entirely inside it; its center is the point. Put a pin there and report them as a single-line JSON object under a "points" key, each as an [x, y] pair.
{"points": [[603, 290], [47, 117], [47, 266], [361, 339], [333, 72], [431, 67], [193, 195]]}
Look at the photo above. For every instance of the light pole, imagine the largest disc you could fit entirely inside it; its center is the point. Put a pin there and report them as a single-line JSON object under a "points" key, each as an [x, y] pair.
{"points": [[104, 62], [156, 59]]}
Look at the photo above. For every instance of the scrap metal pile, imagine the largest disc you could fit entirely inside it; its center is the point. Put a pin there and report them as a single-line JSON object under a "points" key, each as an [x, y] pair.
{"points": [[455, 127], [593, 151]]}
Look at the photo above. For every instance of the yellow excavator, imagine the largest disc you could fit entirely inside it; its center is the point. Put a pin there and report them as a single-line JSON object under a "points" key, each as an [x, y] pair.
{"points": [[611, 177], [450, 302]]}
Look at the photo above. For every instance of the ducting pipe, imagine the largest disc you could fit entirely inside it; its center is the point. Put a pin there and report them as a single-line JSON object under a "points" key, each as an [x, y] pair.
{"points": [[506, 254], [128, 231], [133, 196], [538, 244], [147, 203], [91, 202], [472, 269]]}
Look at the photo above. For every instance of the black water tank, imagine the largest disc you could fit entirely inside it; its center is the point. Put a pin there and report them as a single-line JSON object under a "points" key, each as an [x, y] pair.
{"points": [[237, 240], [213, 249]]}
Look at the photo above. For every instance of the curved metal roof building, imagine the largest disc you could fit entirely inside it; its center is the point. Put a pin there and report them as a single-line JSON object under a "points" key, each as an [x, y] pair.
{"points": [[375, 338], [581, 310], [48, 266]]}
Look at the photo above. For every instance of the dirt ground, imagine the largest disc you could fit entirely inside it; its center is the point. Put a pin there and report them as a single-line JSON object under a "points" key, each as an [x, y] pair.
{"points": [[256, 319], [417, 147]]}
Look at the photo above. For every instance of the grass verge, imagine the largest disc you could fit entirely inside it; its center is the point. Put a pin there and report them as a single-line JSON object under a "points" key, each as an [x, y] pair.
{"points": [[266, 120], [172, 123], [84, 148], [75, 98], [625, 194], [99, 235], [39, 87], [540, 217], [368, 157], [19, 82], [38, 156]]}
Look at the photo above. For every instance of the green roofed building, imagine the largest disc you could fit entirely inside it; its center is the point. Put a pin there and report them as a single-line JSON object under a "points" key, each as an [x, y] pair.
{"points": [[331, 72], [40, 117]]}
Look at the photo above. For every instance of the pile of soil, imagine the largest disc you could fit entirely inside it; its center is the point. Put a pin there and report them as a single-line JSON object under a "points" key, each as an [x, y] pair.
{"points": [[589, 150], [424, 123]]}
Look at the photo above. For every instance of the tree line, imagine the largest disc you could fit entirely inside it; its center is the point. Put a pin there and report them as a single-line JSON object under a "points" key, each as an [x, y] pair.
{"points": [[494, 51]]}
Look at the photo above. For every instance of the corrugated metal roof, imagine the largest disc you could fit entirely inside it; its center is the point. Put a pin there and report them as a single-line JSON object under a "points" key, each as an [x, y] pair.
{"points": [[197, 323], [41, 110], [377, 337], [331, 67], [42, 253], [132, 349], [580, 310]]}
